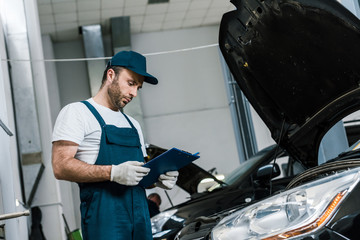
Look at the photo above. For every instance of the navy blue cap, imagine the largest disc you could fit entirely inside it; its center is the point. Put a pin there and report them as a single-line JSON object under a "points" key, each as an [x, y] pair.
{"points": [[133, 61]]}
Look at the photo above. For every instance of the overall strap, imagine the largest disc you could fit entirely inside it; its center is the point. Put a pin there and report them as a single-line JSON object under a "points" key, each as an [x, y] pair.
{"points": [[128, 120], [95, 113]]}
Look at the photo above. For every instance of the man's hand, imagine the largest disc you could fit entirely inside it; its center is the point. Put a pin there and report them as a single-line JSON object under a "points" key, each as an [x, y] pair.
{"points": [[128, 173], [167, 180]]}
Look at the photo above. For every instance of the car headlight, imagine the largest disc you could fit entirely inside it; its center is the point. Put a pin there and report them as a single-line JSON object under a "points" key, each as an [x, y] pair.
{"points": [[292, 213], [158, 221]]}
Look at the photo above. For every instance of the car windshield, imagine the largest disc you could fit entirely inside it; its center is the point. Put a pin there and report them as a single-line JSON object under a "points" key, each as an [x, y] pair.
{"points": [[239, 171], [351, 152], [235, 174]]}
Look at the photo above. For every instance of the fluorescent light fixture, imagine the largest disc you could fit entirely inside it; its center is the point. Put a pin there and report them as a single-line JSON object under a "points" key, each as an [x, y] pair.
{"points": [[157, 1]]}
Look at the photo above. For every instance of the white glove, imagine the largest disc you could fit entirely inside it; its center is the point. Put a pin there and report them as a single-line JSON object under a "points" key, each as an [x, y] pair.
{"points": [[128, 173], [167, 180]]}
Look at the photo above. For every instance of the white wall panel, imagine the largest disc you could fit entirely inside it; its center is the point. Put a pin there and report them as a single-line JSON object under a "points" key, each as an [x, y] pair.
{"points": [[209, 132], [188, 81], [188, 108], [72, 75], [10, 188], [262, 132]]}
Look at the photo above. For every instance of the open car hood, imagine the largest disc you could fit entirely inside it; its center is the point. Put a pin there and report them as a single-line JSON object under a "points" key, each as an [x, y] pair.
{"points": [[297, 62], [189, 176]]}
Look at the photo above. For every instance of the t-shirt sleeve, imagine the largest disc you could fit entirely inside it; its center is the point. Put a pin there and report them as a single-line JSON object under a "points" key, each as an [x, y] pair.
{"points": [[69, 124]]}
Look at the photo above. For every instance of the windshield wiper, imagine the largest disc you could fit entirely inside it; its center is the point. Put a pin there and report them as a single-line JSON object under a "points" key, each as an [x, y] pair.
{"points": [[346, 155]]}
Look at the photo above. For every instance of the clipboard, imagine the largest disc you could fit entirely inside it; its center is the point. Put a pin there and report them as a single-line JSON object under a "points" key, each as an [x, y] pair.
{"points": [[171, 160]]}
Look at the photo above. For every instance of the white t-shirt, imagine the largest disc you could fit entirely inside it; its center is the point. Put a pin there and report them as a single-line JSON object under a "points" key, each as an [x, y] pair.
{"points": [[77, 124]]}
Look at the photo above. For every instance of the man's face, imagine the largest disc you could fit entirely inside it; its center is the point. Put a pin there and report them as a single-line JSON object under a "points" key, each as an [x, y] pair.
{"points": [[155, 200], [124, 88]]}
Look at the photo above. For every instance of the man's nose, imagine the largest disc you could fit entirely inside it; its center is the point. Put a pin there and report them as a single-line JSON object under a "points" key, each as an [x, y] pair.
{"points": [[134, 92]]}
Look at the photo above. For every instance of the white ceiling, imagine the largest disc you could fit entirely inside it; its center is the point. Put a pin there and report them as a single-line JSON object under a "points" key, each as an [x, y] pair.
{"points": [[62, 18]]}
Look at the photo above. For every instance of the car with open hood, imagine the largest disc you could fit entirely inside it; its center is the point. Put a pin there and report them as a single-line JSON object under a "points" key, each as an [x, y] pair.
{"points": [[243, 185], [297, 62]]}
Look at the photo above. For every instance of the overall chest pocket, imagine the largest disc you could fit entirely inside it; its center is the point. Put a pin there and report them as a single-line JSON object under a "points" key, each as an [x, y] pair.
{"points": [[127, 137]]}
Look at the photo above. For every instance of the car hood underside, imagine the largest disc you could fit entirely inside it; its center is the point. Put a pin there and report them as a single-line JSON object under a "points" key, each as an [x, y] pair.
{"points": [[297, 62]]}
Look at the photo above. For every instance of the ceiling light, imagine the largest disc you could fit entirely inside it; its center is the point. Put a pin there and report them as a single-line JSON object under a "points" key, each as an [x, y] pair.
{"points": [[157, 1]]}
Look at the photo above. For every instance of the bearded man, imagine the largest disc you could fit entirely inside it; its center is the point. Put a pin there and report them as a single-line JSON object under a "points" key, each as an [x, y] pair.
{"points": [[102, 149]]}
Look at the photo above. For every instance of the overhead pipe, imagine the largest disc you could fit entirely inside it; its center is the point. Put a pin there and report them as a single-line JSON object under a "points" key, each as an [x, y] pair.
{"points": [[94, 48]]}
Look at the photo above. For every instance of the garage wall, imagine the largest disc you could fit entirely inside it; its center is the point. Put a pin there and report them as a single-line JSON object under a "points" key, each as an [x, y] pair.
{"points": [[352, 5], [10, 188], [262, 133], [188, 109], [72, 76]]}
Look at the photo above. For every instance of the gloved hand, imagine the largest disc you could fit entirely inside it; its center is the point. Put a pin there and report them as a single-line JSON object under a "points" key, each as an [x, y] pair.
{"points": [[167, 180], [128, 173]]}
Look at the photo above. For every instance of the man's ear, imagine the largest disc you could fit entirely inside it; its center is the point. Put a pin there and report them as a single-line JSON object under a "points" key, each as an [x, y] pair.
{"points": [[110, 75]]}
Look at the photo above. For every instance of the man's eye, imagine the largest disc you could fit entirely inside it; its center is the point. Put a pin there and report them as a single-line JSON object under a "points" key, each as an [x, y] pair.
{"points": [[131, 83]]}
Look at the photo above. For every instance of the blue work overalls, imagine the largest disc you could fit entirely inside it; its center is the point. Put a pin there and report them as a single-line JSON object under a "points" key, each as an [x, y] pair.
{"points": [[110, 210]]}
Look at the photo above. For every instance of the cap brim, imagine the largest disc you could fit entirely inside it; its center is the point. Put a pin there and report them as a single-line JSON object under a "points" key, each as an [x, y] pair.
{"points": [[148, 77], [151, 80]]}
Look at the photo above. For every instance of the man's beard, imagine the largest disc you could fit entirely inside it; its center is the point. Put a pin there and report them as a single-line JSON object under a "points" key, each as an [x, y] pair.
{"points": [[115, 95]]}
